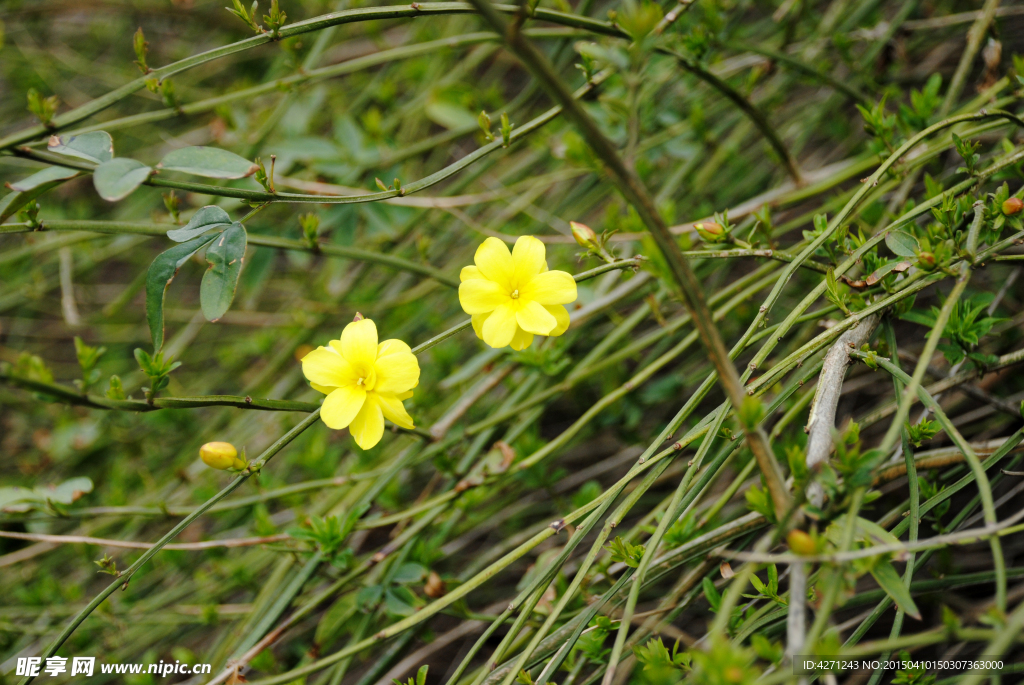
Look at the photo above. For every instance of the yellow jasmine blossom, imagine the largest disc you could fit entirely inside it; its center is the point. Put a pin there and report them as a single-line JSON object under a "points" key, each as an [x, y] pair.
{"points": [[513, 296], [365, 382]]}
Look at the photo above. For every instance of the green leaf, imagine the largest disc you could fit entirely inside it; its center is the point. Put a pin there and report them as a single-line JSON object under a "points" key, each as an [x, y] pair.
{"points": [[448, 114], [225, 256], [902, 243], [19, 500], [409, 573], [336, 619], [884, 270], [711, 592], [118, 178], [158, 278], [890, 581], [208, 161], [202, 221], [95, 146], [400, 601], [47, 175], [12, 202]]}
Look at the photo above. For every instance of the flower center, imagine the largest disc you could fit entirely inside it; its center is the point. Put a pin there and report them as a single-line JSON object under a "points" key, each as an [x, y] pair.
{"points": [[515, 294], [366, 380]]}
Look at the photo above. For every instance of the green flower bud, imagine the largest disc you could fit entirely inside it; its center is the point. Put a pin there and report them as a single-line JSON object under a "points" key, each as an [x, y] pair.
{"points": [[926, 260], [1013, 206], [711, 232], [220, 455], [800, 542], [584, 235]]}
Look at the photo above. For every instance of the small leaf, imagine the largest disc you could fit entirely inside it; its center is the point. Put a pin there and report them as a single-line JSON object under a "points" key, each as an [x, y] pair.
{"points": [[399, 601], [902, 243], [70, 490], [409, 573], [47, 175], [225, 256], [450, 115], [211, 162], [12, 202], [118, 178], [884, 270], [95, 146], [890, 581], [202, 221], [158, 278]]}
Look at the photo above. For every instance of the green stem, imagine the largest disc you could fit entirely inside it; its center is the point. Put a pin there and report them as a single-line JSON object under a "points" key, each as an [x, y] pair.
{"points": [[978, 470], [127, 574], [636, 194]]}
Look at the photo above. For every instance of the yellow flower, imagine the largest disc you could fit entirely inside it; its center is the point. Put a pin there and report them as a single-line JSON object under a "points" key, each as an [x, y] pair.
{"points": [[513, 297], [364, 381]]}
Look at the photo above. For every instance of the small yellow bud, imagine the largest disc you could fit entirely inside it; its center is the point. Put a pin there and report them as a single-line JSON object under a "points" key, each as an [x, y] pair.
{"points": [[800, 542], [583, 234], [1013, 206], [711, 232], [221, 455]]}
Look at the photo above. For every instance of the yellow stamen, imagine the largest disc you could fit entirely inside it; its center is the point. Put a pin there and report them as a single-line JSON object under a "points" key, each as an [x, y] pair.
{"points": [[515, 294]]}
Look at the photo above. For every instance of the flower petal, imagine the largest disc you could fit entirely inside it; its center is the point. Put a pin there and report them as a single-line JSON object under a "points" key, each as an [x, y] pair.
{"points": [[521, 340], [528, 257], [392, 346], [397, 372], [479, 296], [342, 406], [500, 326], [359, 344], [550, 287], [533, 318], [367, 427], [325, 389], [561, 315], [495, 262], [394, 411], [478, 324], [324, 366], [470, 273]]}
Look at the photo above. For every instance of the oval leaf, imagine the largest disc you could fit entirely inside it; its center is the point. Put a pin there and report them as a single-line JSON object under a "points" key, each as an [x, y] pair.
{"points": [[95, 146], [158, 278], [208, 161], [890, 581], [884, 270], [225, 256], [202, 221], [47, 175], [12, 202], [116, 179], [902, 243]]}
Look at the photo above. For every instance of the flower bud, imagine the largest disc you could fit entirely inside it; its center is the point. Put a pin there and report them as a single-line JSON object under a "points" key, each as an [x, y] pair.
{"points": [[1013, 206], [584, 235], [926, 260], [221, 455], [358, 317], [710, 232], [434, 587], [800, 542]]}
